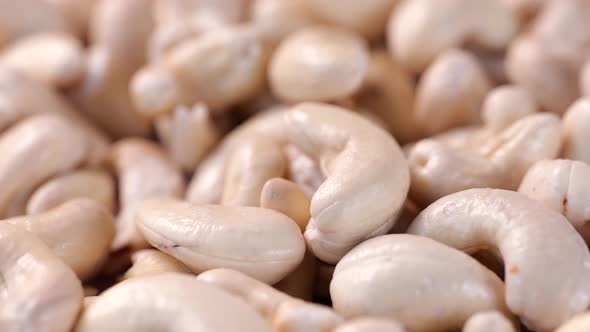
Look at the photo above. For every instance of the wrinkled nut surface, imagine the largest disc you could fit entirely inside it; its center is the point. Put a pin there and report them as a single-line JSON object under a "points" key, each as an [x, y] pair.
{"points": [[409, 279], [172, 303], [488, 321], [259, 242], [287, 198], [39, 292], [79, 232], [149, 262], [370, 325], [576, 131], [531, 239], [318, 64]]}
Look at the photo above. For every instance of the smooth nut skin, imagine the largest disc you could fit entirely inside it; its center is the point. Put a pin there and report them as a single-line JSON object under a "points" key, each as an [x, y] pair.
{"points": [[532, 240], [76, 13], [169, 303], [505, 105], [39, 292], [585, 79], [149, 262], [450, 92], [276, 19], [61, 64], [287, 198], [93, 184], [259, 242], [318, 64], [419, 30], [580, 323], [576, 131], [79, 232], [410, 279], [370, 325], [488, 321]]}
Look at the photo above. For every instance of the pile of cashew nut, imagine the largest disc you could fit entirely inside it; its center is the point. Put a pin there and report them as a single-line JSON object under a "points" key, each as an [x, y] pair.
{"points": [[295, 165]]}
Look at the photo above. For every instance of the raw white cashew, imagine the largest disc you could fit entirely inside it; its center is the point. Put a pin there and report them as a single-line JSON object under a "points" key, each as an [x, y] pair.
{"points": [[61, 64], [262, 243], [318, 64], [419, 30], [580, 323], [532, 240], [287, 198], [149, 262], [488, 321], [39, 292], [576, 131], [366, 173], [285, 313], [169, 303], [276, 19], [144, 172], [88, 183], [300, 282], [79, 232], [505, 105], [451, 92], [424, 285], [370, 325]]}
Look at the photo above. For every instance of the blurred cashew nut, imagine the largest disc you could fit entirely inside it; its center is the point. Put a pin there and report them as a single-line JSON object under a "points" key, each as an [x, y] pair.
{"points": [[576, 131], [488, 321]]}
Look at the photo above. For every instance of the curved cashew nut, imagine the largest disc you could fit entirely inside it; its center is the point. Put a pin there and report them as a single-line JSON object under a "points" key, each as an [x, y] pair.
{"points": [[505, 105], [260, 242], [521, 230], [576, 131], [410, 279], [171, 303], [419, 30], [287, 198], [39, 292], [488, 321], [276, 19], [580, 323], [144, 172], [94, 184], [370, 325], [318, 64], [79, 232], [149, 262]]}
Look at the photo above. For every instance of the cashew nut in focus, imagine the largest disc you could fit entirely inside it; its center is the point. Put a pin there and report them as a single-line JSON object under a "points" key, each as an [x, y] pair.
{"points": [[172, 303], [488, 321], [531, 239], [418, 282], [38, 292], [150, 262]]}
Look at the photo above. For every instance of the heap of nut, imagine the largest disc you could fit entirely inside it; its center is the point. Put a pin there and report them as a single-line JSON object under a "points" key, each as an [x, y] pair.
{"points": [[294, 165]]}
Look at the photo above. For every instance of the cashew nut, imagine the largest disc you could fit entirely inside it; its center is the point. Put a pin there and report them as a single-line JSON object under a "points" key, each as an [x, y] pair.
{"points": [[488, 321], [149, 262], [287, 198], [370, 325], [576, 131], [580, 323], [532, 240], [418, 282], [276, 19], [505, 105]]}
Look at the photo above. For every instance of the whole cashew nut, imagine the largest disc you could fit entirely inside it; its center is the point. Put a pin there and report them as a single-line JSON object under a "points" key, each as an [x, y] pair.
{"points": [[411, 279], [370, 325], [488, 321], [576, 131], [170, 303], [37, 287], [149, 262], [531, 239]]}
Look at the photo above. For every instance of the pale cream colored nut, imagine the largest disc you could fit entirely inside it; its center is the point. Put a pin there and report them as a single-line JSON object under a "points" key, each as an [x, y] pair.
{"points": [[368, 18], [250, 165], [170, 11], [188, 134], [144, 172], [262, 243], [304, 171], [276, 19], [300, 282], [39, 292], [149, 262], [420, 30], [352, 204], [93, 184], [576, 131], [532, 240], [451, 92], [580, 323], [25, 17], [318, 64], [287, 198], [79, 232], [169, 302], [562, 185], [409, 279], [285, 313], [505, 105], [219, 68], [488, 321], [370, 324], [54, 59], [77, 14]]}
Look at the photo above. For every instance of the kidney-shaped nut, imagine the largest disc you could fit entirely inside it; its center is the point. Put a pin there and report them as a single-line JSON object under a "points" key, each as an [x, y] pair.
{"points": [[576, 131], [171, 303], [424, 285], [219, 68], [370, 324], [149, 262], [94, 184], [580, 323], [505, 105], [419, 30], [54, 59], [488, 321], [79, 232], [39, 292], [451, 92], [318, 64], [260, 242], [532, 239]]}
